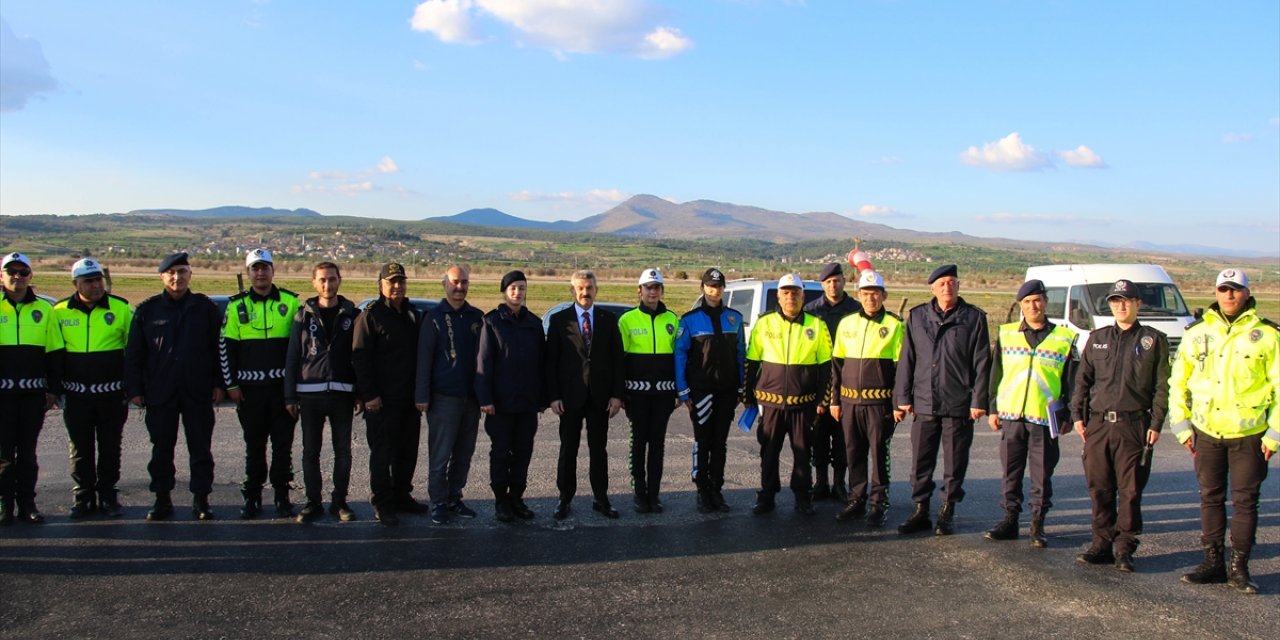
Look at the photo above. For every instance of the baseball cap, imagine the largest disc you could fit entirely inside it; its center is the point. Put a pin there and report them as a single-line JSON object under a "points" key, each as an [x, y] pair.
{"points": [[790, 280], [870, 280], [256, 256], [713, 277], [1123, 289], [1234, 278], [15, 257], [650, 276], [86, 267], [391, 271]]}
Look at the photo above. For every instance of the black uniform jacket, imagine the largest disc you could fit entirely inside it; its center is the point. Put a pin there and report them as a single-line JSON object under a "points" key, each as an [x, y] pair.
{"points": [[172, 354], [1123, 371], [945, 362], [319, 358], [832, 314], [510, 361], [576, 377], [384, 351]]}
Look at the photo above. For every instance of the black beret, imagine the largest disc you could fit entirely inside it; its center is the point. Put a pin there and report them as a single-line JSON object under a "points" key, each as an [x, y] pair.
{"points": [[1030, 288], [943, 271], [829, 270], [512, 276], [173, 260]]}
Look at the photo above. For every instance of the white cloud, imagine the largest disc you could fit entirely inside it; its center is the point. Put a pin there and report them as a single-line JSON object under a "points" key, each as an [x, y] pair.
{"points": [[328, 175], [871, 211], [592, 198], [24, 71], [887, 160], [387, 165], [628, 27], [1037, 218], [344, 187], [1236, 138], [1082, 156], [1009, 153]]}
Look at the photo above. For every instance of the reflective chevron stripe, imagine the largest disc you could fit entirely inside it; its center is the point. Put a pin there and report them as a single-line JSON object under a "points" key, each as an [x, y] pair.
{"points": [[23, 384], [82, 388], [321, 387], [866, 394], [645, 385], [261, 376]]}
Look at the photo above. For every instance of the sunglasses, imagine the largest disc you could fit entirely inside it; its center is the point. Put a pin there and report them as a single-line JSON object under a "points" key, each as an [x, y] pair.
{"points": [[21, 273]]}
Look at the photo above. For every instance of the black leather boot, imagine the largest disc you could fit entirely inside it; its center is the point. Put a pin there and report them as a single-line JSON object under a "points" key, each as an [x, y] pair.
{"points": [[163, 507], [946, 519], [1238, 573], [200, 508], [515, 499], [1213, 570], [1006, 529], [764, 503], [852, 509], [252, 504], [502, 504], [919, 520], [1038, 541], [284, 506]]}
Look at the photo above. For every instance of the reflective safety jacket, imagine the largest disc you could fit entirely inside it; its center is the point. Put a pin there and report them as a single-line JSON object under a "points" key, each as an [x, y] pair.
{"points": [[255, 337], [788, 361], [95, 339], [29, 346], [864, 355], [648, 345], [1031, 377], [1225, 378]]}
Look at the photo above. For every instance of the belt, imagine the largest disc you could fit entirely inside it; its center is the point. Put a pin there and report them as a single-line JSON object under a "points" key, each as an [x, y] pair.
{"points": [[1122, 416]]}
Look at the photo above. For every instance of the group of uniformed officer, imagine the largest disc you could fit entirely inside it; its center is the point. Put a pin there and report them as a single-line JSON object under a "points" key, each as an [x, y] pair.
{"points": [[834, 377]]}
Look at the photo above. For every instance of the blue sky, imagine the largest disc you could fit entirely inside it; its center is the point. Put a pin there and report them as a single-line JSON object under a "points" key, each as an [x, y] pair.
{"points": [[1094, 121]]}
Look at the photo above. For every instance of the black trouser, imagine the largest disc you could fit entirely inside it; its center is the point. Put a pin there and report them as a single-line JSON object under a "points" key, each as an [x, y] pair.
{"points": [[1022, 445], [1240, 459], [868, 429], [829, 449], [21, 418], [511, 435], [393, 433], [197, 426], [338, 407], [649, 416], [263, 417], [955, 434], [597, 421], [776, 424], [712, 416], [95, 425], [1111, 457]]}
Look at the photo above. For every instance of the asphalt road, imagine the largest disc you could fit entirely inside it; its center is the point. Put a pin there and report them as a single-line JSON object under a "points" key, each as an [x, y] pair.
{"points": [[677, 574]]}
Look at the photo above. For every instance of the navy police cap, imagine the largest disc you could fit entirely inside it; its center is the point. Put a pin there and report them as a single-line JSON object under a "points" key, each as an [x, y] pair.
{"points": [[943, 271], [1030, 288], [174, 260]]}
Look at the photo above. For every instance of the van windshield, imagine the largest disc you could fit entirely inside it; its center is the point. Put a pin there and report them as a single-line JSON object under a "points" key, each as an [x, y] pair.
{"points": [[1158, 299]]}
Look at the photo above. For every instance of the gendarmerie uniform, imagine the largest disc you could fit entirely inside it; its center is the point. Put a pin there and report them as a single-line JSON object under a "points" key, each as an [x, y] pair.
{"points": [[648, 342], [384, 352], [788, 374], [511, 357], [321, 380], [710, 353], [30, 367], [96, 407], [864, 356], [829, 444], [1121, 391], [171, 361], [255, 341]]}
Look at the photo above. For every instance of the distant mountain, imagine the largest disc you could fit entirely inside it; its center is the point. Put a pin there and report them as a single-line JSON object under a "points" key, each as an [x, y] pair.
{"points": [[492, 218], [230, 212], [1191, 249]]}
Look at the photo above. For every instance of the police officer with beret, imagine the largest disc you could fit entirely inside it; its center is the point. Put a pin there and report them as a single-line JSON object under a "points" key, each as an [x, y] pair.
{"points": [[385, 351], [172, 370], [1033, 364], [95, 328], [255, 341], [1118, 405], [828, 436], [1224, 407], [942, 379], [30, 377]]}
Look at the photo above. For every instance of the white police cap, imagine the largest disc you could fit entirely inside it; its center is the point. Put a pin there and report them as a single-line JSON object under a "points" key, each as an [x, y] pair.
{"points": [[650, 276], [86, 267], [256, 256]]}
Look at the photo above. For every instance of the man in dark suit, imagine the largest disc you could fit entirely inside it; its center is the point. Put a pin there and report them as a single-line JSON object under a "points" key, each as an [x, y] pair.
{"points": [[584, 382]]}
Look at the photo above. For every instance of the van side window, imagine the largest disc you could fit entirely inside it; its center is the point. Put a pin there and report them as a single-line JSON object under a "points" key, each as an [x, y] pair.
{"points": [[1080, 313], [1055, 305], [741, 300]]}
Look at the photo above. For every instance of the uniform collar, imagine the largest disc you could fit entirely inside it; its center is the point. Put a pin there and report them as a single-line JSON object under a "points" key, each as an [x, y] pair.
{"points": [[274, 294]]}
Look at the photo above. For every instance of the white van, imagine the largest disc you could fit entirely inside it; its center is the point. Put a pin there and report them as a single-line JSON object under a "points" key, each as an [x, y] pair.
{"points": [[753, 297], [1077, 297]]}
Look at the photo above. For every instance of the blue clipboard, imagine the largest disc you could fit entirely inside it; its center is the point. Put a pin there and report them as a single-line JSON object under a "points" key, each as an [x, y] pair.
{"points": [[748, 418]]}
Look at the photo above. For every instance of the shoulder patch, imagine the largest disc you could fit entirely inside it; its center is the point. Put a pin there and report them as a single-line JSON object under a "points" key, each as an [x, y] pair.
{"points": [[286, 291], [894, 315], [239, 296], [1270, 324], [124, 300], [1194, 323]]}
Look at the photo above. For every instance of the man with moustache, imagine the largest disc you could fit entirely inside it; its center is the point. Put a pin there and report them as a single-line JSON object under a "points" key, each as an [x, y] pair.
{"points": [[584, 375], [448, 343], [319, 384], [95, 328], [30, 377], [942, 379], [384, 353], [255, 341], [511, 394], [172, 370], [828, 436]]}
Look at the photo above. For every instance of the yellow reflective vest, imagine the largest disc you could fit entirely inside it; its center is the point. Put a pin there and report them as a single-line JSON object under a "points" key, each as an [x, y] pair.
{"points": [[255, 337], [864, 353], [1225, 377], [29, 340], [95, 338], [648, 345], [1031, 378], [788, 361]]}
